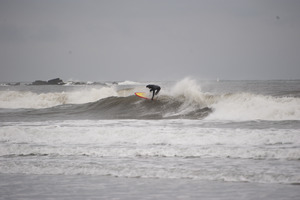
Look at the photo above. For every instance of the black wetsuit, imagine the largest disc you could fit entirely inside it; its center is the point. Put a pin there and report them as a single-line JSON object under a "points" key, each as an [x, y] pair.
{"points": [[154, 88]]}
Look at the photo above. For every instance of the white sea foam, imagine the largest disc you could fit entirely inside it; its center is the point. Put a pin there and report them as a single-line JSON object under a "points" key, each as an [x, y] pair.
{"points": [[21, 99], [190, 141], [125, 148], [246, 106]]}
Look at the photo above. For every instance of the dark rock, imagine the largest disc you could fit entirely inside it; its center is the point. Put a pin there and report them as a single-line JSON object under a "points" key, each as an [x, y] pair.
{"points": [[56, 81], [39, 82]]}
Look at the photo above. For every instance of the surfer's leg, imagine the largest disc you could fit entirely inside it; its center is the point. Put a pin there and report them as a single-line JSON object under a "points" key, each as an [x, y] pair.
{"points": [[153, 95], [157, 91]]}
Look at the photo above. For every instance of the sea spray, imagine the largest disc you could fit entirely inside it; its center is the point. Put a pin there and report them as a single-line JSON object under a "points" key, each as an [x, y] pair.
{"points": [[188, 90]]}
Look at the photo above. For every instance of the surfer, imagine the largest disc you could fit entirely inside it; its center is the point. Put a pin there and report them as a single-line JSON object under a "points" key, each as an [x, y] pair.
{"points": [[153, 88]]}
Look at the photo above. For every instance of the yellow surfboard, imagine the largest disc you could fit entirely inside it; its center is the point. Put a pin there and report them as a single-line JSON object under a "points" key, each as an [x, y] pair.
{"points": [[142, 95]]}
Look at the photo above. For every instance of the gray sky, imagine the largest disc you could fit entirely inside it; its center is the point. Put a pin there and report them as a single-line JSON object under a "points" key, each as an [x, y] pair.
{"points": [[149, 39]]}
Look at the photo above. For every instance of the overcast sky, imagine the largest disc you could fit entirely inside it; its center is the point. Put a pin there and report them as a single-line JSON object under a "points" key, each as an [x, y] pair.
{"points": [[141, 40]]}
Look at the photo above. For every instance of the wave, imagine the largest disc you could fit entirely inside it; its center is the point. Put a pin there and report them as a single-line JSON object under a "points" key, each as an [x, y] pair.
{"points": [[237, 107], [129, 83], [28, 99], [183, 100], [247, 106]]}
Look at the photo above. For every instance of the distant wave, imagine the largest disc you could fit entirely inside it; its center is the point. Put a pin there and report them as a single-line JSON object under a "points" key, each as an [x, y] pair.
{"points": [[129, 83]]}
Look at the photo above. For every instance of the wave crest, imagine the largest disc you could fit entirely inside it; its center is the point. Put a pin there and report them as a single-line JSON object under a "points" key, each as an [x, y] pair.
{"points": [[28, 99], [247, 106]]}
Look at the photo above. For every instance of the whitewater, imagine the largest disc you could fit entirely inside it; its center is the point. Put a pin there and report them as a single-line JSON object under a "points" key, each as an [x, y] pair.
{"points": [[202, 134]]}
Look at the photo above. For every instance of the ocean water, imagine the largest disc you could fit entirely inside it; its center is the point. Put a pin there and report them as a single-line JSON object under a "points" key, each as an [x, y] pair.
{"points": [[241, 138]]}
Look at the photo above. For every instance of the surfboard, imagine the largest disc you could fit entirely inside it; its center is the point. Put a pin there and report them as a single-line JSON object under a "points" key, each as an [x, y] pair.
{"points": [[142, 95]]}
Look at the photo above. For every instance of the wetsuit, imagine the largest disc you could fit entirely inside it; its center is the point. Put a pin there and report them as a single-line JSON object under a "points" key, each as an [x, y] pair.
{"points": [[153, 88]]}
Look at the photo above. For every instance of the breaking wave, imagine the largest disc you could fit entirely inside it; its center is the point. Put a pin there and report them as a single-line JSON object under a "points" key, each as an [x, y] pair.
{"points": [[247, 106], [28, 99], [183, 100]]}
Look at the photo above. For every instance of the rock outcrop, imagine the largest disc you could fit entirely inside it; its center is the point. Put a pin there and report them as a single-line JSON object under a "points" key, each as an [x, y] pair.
{"points": [[56, 81]]}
